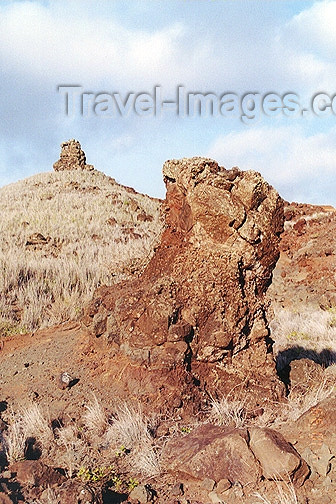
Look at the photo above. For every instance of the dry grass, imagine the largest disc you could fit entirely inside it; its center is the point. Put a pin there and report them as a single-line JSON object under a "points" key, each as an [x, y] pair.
{"points": [[51, 497], [74, 449], [230, 412], [30, 423], [298, 404], [285, 494], [14, 440], [147, 461], [131, 429], [95, 418], [310, 333], [36, 424], [48, 284]]}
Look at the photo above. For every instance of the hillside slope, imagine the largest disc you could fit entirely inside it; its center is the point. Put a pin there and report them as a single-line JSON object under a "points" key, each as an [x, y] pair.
{"points": [[63, 234]]}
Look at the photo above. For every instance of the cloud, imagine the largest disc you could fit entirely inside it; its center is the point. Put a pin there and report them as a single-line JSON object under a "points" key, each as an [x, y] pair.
{"points": [[105, 47], [314, 30], [57, 46], [301, 167]]}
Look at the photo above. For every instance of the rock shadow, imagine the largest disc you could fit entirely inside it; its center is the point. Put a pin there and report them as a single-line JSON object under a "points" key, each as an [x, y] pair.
{"points": [[111, 497], [325, 358]]}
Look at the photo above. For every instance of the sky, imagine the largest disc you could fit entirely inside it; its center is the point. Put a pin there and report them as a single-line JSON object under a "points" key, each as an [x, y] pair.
{"points": [[127, 48]]}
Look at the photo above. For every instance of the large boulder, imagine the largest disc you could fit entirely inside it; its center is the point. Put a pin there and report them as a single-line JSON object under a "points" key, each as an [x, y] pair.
{"points": [[212, 452], [235, 456], [277, 458], [200, 301], [314, 437]]}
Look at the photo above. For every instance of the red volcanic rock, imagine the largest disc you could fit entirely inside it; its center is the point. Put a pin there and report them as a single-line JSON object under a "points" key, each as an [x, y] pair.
{"points": [[212, 452], [305, 273], [200, 301]]}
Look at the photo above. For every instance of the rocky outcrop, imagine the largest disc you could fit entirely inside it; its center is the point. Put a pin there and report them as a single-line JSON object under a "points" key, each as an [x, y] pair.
{"points": [[200, 301], [212, 452], [72, 157], [38, 482], [305, 273], [220, 459]]}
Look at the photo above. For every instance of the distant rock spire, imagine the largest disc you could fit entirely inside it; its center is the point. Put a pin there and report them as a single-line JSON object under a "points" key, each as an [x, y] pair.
{"points": [[72, 157]]}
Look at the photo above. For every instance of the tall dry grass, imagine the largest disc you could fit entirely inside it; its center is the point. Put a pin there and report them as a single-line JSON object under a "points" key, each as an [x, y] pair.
{"points": [[285, 494], [309, 333], [96, 235], [29, 423], [130, 428]]}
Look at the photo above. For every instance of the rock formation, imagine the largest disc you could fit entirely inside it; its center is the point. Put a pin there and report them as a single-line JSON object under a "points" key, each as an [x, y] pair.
{"points": [[200, 302], [72, 157]]}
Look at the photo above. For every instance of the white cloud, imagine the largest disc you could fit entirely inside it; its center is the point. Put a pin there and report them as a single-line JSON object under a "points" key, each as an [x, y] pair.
{"points": [[296, 164], [44, 44], [314, 29], [52, 44]]}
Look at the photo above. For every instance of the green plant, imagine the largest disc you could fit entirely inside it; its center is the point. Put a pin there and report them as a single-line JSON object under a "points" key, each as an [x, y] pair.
{"points": [[117, 482], [122, 451], [132, 483], [332, 321], [186, 430], [297, 335], [8, 328], [97, 474]]}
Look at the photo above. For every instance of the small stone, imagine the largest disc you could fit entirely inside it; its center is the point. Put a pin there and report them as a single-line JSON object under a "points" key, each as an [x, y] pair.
{"points": [[6, 475], [177, 402], [65, 380], [36, 239], [141, 494], [214, 498], [223, 485], [208, 484], [177, 489]]}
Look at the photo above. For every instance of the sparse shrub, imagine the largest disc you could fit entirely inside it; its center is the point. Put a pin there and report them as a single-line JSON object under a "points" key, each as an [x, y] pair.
{"points": [[228, 412], [131, 429], [95, 419], [285, 494]]}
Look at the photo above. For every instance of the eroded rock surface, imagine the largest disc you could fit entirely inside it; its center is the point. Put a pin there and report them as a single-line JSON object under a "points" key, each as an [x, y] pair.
{"points": [[200, 301], [221, 457], [72, 157]]}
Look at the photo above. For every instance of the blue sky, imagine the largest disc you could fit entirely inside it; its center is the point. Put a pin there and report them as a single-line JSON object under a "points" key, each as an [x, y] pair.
{"points": [[124, 46]]}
